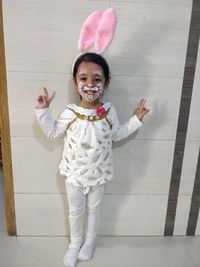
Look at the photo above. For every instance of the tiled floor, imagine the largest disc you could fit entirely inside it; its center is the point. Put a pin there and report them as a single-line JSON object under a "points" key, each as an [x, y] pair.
{"points": [[110, 251]]}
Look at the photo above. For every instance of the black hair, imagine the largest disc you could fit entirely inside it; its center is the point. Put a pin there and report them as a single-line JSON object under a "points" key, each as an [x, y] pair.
{"points": [[94, 58]]}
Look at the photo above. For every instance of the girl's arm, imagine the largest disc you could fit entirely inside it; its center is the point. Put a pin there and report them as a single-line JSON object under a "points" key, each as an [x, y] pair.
{"points": [[52, 129], [121, 131]]}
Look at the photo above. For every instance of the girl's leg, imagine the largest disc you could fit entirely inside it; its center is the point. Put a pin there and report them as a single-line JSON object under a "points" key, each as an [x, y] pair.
{"points": [[94, 199], [77, 205]]}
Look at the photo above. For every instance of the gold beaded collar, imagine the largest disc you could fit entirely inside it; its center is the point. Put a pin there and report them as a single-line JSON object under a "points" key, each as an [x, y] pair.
{"points": [[91, 118]]}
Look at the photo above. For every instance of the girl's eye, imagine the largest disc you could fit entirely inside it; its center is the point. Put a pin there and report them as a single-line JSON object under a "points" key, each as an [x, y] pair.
{"points": [[98, 80], [83, 79]]}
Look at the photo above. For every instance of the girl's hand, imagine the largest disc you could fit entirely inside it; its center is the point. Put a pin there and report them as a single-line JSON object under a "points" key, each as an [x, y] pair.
{"points": [[44, 100], [141, 110]]}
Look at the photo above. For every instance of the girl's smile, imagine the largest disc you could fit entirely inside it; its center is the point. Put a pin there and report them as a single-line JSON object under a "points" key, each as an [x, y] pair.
{"points": [[90, 90]]}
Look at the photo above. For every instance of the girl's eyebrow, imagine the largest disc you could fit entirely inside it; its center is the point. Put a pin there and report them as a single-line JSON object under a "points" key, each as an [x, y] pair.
{"points": [[97, 74], [82, 74]]}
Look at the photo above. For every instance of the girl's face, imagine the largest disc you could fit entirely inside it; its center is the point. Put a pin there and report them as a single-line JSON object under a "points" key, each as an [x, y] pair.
{"points": [[90, 81]]}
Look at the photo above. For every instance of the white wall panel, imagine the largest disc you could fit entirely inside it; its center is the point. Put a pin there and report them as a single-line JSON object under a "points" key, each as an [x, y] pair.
{"points": [[163, 99], [158, 2], [182, 214], [146, 42], [194, 118], [198, 226], [35, 165], [146, 167], [23, 90], [129, 215], [41, 214], [189, 167], [42, 36], [197, 72]]}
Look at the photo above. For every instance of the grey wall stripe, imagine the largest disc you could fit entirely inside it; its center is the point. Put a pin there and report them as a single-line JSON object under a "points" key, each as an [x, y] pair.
{"points": [[195, 203], [187, 87]]}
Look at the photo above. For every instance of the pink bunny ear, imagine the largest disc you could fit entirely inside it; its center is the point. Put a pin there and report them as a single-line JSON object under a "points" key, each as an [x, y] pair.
{"points": [[88, 31], [106, 30]]}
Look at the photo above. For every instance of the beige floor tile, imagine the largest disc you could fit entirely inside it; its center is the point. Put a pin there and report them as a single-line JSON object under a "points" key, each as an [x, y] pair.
{"points": [[109, 252]]}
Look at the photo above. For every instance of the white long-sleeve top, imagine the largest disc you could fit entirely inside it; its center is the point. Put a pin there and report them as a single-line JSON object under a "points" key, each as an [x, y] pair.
{"points": [[87, 155]]}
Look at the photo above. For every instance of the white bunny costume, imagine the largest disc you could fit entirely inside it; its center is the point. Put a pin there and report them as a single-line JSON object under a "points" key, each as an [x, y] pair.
{"points": [[87, 155], [86, 162]]}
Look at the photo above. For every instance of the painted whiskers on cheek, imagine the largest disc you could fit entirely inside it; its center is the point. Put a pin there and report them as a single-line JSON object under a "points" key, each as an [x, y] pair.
{"points": [[90, 88], [91, 92]]}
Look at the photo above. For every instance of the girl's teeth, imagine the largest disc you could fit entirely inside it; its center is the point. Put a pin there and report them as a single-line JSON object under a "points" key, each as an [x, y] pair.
{"points": [[90, 97]]}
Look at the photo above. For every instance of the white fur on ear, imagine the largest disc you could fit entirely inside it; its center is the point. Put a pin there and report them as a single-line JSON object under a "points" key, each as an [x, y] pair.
{"points": [[88, 31], [105, 31]]}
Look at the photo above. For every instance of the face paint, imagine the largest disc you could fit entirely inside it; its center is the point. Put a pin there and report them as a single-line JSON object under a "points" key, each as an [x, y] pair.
{"points": [[97, 70], [90, 81], [89, 92]]}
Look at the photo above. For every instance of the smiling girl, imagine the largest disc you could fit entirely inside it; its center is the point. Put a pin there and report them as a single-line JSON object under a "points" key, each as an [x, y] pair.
{"points": [[87, 163]]}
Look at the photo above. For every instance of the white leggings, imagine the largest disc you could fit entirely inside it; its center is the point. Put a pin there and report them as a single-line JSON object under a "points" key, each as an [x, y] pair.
{"points": [[79, 200]]}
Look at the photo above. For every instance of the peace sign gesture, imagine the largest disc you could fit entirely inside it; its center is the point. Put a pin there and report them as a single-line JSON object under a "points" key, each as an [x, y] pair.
{"points": [[141, 110], [44, 100]]}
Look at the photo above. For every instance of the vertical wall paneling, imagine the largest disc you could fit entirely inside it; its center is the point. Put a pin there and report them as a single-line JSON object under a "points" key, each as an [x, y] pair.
{"points": [[188, 80], [187, 180]]}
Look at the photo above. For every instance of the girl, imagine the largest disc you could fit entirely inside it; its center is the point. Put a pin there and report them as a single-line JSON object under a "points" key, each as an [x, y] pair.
{"points": [[89, 129]]}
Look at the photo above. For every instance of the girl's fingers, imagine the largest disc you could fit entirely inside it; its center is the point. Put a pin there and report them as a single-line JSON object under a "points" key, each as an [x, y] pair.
{"points": [[42, 99], [46, 92], [49, 99], [52, 97], [142, 110], [39, 98], [143, 101], [141, 104], [145, 111]]}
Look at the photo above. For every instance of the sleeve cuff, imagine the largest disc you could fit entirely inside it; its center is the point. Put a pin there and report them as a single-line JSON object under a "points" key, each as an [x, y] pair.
{"points": [[138, 122]]}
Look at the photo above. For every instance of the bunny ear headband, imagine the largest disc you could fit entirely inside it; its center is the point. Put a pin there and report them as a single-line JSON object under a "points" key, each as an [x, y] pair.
{"points": [[98, 30]]}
